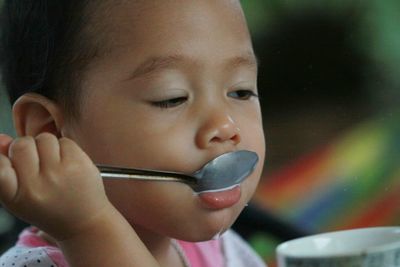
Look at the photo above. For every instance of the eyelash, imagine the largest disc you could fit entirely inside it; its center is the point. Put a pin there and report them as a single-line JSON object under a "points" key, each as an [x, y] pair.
{"points": [[174, 102], [170, 103], [243, 94]]}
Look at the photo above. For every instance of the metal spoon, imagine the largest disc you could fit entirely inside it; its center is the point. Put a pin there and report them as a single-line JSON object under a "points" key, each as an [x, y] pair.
{"points": [[218, 174]]}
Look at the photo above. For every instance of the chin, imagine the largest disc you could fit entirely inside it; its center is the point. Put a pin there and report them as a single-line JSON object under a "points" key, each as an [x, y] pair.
{"points": [[213, 225]]}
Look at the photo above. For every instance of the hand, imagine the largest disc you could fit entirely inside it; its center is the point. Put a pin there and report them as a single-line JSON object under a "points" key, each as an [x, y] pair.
{"points": [[51, 183]]}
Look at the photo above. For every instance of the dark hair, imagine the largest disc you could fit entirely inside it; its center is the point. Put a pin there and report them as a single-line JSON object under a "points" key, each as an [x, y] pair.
{"points": [[45, 47]]}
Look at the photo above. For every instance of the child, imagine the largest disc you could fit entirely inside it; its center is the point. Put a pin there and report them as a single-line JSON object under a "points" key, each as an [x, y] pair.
{"points": [[165, 85]]}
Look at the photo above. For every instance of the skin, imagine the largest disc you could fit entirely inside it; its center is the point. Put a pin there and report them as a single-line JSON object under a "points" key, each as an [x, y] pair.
{"points": [[195, 101]]}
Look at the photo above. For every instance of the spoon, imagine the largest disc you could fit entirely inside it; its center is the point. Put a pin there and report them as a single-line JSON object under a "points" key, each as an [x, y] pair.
{"points": [[220, 173]]}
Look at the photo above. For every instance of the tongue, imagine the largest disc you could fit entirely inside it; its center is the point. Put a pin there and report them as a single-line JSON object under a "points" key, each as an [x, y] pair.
{"points": [[221, 199]]}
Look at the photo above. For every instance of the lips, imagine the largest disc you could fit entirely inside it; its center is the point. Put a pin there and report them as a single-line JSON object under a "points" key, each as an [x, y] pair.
{"points": [[221, 199]]}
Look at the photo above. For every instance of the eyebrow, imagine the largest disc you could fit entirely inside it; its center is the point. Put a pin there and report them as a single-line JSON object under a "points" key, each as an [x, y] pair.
{"points": [[247, 60], [155, 64]]}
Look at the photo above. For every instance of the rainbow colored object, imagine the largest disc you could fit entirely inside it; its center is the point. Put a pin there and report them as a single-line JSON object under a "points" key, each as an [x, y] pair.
{"points": [[352, 182]]}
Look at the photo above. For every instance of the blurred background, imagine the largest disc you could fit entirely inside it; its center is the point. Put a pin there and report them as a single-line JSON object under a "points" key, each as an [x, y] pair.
{"points": [[330, 96]]}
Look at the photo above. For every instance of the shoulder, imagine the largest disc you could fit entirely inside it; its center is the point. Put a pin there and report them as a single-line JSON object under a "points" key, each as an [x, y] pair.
{"points": [[238, 253], [31, 250], [19, 256]]}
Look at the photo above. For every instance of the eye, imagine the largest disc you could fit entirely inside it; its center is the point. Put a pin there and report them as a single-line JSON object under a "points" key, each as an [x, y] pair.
{"points": [[170, 103], [242, 94]]}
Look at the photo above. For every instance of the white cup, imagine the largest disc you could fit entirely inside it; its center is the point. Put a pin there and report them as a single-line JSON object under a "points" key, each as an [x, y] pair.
{"points": [[365, 247]]}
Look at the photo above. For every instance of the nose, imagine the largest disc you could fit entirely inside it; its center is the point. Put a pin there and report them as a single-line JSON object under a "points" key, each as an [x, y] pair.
{"points": [[218, 128]]}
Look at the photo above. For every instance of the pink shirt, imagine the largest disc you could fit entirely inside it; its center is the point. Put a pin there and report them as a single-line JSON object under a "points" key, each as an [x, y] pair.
{"points": [[31, 248], [203, 254], [228, 251]]}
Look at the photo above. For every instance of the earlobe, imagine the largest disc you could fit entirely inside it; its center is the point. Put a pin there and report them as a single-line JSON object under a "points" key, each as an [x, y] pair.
{"points": [[34, 114]]}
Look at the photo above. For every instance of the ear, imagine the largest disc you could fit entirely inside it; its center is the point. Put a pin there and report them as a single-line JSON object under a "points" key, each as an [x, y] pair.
{"points": [[34, 114]]}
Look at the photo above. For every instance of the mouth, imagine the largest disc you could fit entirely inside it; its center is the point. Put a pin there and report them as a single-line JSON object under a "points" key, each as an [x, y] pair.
{"points": [[220, 199]]}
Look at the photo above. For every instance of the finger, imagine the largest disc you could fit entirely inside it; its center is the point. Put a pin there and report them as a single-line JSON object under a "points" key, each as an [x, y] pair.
{"points": [[71, 153], [24, 157], [8, 181], [48, 150], [5, 142], [69, 150]]}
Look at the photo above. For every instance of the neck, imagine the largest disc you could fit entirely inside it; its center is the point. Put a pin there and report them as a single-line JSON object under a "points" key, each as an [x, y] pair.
{"points": [[160, 247]]}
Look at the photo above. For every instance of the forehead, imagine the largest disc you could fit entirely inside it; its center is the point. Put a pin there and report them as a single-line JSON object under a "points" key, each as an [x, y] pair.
{"points": [[153, 28]]}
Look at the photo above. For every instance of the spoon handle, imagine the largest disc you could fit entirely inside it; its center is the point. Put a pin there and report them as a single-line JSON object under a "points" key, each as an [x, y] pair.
{"points": [[112, 172]]}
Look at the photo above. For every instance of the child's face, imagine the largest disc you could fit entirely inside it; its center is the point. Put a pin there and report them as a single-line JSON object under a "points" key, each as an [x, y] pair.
{"points": [[169, 96]]}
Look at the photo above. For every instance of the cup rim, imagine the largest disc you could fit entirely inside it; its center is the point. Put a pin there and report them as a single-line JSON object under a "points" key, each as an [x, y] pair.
{"points": [[281, 249]]}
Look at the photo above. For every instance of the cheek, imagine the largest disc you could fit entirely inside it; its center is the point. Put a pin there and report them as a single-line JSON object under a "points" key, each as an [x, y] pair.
{"points": [[252, 135], [251, 126], [254, 140], [125, 144]]}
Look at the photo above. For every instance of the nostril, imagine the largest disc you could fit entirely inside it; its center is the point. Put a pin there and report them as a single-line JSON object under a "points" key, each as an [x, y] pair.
{"points": [[235, 139]]}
